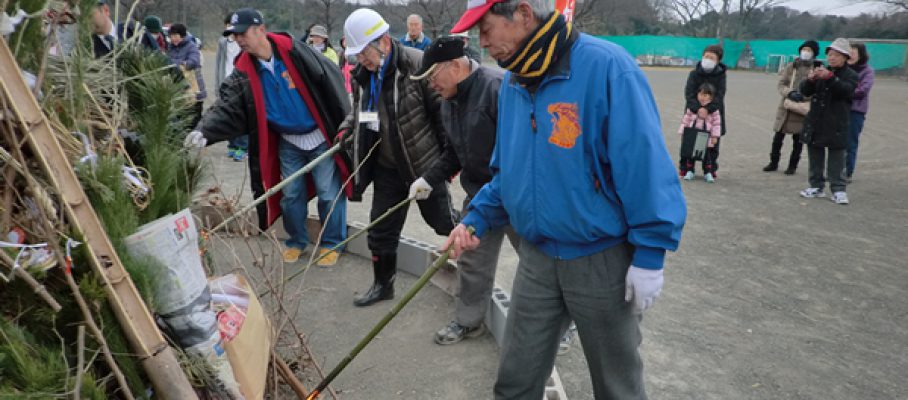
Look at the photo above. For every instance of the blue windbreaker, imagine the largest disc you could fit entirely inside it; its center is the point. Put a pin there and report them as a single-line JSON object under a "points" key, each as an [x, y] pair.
{"points": [[581, 165]]}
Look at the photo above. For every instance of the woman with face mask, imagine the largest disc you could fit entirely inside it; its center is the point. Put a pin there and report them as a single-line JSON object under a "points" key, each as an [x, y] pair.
{"points": [[710, 70], [318, 40], [790, 114]]}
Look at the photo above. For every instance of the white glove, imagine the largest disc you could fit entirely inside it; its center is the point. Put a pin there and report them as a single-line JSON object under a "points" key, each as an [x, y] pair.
{"points": [[420, 190], [643, 286], [195, 139]]}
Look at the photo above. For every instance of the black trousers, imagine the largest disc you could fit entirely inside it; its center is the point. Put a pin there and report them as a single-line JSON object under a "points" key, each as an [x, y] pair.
{"points": [[389, 189], [710, 161], [776, 152]]}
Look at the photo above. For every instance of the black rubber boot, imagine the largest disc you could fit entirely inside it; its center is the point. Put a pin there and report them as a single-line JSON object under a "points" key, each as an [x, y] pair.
{"points": [[384, 268], [775, 153]]}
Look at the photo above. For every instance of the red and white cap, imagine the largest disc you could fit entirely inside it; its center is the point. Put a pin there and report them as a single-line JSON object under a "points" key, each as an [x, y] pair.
{"points": [[475, 10]]}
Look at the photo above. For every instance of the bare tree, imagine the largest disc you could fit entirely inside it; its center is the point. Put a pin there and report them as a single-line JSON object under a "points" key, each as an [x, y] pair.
{"points": [[746, 9], [897, 4], [688, 10], [438, 16], [329, 13]]}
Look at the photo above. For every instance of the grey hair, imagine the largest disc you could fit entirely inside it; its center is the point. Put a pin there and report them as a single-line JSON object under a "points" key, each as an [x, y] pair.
{"points": [[542, 9], [417, 16]]}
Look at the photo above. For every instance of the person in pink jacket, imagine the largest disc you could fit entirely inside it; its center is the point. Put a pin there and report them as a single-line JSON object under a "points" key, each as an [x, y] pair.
{"points": [[712, 124]]}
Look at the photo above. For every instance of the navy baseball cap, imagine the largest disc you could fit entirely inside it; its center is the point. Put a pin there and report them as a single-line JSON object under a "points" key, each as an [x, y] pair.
{"points": [[242, 19]]}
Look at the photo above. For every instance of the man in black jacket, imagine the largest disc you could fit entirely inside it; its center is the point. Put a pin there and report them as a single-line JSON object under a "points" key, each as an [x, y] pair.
{"points": [[469, 114], [106, 34], [290, 100], [404, 115]]}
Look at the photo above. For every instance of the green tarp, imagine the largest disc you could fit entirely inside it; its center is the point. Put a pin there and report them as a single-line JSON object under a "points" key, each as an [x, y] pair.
{"points": [[681, 50]]}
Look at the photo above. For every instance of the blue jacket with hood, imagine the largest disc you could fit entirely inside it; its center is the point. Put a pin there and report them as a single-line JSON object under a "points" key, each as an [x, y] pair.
{"points": [[580, 165]]}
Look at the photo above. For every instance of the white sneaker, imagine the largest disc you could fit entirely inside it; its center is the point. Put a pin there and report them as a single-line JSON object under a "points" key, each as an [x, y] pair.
{"points": [[813, 193], [689, 176], [709, 177], [839, 198]]}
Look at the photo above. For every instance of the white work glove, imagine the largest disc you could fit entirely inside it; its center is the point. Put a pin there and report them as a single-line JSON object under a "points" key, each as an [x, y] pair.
{"points": [[643, 286], [420, 190], [195, 139]]}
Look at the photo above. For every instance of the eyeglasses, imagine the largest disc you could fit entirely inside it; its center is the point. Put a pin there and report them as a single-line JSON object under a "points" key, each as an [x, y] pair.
{"points": [[436, 72]]}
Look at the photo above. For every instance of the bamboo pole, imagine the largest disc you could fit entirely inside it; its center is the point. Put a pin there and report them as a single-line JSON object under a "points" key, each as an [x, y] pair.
{"points": [[277, 188], [371, 225], [433, 268], [158, 359]]}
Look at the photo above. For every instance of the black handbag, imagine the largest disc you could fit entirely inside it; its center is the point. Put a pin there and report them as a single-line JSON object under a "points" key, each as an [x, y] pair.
{"points": [[693, 143]]}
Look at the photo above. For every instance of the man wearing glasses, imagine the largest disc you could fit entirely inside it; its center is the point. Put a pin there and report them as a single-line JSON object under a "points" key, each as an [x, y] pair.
{"points": [[469, 113], [405, 116]]}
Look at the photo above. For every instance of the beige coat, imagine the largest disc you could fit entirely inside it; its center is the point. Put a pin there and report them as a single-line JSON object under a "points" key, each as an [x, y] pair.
{"points": [[787, 121]]}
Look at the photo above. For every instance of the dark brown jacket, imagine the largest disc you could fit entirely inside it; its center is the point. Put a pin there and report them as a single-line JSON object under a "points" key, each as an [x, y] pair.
{"points": [[409, 116]]}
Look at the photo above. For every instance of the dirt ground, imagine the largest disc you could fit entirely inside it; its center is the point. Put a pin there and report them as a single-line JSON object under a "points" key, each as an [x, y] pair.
{"points": [[770, 296]]}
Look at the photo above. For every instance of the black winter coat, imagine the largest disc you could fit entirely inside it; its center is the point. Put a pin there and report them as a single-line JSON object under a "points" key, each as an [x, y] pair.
{"points": [[409, 115], [697, 77], [470, 120], [234, 113], [830, 106], [124, 32]]}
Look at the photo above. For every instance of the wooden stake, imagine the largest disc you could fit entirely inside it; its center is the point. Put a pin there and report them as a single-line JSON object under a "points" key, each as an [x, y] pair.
{"points": [[80, 361], [287, 374], [39, 289]]}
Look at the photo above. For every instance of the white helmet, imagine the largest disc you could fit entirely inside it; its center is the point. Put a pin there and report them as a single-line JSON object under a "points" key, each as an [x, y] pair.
{"points": [[361, 28]]}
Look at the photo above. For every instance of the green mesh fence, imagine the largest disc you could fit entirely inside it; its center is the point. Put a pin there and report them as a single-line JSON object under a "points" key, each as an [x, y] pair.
{"points": [[686, 51], [673, 50]]}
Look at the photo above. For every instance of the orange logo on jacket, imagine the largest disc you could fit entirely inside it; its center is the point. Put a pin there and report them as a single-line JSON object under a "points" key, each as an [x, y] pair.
{"points": [[565, 124], [286, 75]]}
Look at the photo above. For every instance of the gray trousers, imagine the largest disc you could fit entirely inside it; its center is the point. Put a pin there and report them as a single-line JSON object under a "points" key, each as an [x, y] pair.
{"points": [[833, 166], [476, 274], [547, 294]]}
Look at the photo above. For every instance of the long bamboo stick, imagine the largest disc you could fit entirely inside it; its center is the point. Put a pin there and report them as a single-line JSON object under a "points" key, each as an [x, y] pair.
{"points": [[371, 225], [276, 188], [157, 357], [433, 268]]}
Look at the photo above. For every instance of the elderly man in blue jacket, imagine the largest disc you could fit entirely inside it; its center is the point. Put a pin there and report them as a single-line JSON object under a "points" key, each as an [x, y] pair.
{"points": [[582, 174]]}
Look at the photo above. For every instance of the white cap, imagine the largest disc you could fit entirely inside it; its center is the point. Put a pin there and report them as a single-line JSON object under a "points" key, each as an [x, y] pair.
{"points": [[361, 28]]}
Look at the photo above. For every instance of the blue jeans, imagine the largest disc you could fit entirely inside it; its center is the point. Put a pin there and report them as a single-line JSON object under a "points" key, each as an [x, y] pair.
{"points": [[855, 126], [241, 142], [295, 201]]}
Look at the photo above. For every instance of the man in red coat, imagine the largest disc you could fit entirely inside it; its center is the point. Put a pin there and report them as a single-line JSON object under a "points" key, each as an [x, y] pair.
{"points": [[290, 100]]}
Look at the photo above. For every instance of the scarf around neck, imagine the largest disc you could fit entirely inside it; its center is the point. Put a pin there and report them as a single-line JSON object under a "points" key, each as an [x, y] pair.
{"points": [[541, 50]]}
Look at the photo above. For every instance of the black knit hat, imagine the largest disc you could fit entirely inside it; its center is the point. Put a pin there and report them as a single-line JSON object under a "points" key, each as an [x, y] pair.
{"points": [[811, 44], [443, 49]]}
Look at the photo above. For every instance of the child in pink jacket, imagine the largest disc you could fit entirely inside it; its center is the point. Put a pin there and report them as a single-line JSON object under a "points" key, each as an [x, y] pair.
{"points": [[711, 122]]}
